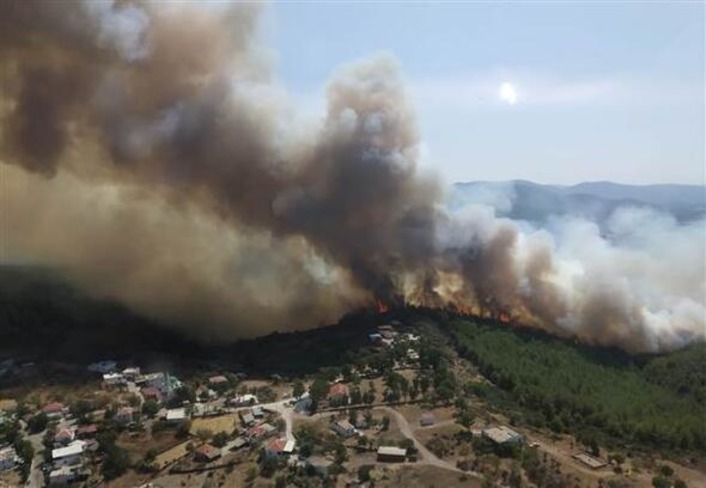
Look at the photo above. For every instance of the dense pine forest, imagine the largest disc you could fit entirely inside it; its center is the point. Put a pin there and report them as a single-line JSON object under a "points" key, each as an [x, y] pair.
{"points": [[598, 394]]}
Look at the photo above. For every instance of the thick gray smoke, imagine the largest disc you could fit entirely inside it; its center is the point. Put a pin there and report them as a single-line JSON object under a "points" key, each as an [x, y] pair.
{"points": [[149, 152]]}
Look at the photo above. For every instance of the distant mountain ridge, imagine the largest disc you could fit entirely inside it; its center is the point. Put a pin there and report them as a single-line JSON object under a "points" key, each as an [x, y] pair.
{"points": [[526, 200]]}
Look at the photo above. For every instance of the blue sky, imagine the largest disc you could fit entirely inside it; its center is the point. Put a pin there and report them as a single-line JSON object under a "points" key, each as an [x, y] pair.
{"points": [[605, 90]]}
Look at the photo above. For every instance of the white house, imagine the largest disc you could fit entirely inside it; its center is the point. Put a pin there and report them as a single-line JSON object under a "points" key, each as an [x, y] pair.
{"points": [[243, 400], [62, 476], [502, 435], [113, 379], [131, 373], [7, 458], [68, 456], [176, 415]]}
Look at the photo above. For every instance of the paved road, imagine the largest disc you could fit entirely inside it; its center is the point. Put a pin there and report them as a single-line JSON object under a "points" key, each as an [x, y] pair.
{"points": [[285, 411]]}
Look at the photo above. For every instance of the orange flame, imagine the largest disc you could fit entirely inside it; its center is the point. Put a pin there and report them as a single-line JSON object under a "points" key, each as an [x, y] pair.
{"points": [[381, 307]]}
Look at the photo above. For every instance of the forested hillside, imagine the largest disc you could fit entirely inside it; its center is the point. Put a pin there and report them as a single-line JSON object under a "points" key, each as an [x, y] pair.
{"points": [[646, 402]]}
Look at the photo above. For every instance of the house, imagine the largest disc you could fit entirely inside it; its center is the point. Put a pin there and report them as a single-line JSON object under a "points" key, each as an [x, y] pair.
{"points": [[427, 419], [242, 400], [207, 453], [279, 446], [132, 373], [151, 393], [588, 460], [303, 403], [218, 381], [238, 442], [54, 410], [113, 379], [361, 422], [391, 454], [258, 412], [320, 465], [62, 476], [344, 428], [176, 415], [124, 415], [7, 458], [65, 436], [106, 366], [338, 393], [86, 431], [412, 355], [68, 456], [375, 338], [156, 380], [502, 435], [387, 331], [261, 431], [247, 418]]}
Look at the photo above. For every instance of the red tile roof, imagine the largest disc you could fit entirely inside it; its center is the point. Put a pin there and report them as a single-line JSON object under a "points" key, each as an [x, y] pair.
{"points": [[338, 390], [277, 445], [208, 451], [53, 407]]}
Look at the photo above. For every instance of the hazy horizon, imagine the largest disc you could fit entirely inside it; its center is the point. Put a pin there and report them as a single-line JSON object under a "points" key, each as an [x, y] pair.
{"points": [[602, 91]]}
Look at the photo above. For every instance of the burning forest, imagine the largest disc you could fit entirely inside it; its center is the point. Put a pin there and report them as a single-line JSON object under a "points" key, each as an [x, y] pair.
{"points": [[149, 152]]}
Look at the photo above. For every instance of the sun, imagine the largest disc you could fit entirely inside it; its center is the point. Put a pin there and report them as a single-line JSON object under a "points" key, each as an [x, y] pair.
{"points": [[508, 94]]}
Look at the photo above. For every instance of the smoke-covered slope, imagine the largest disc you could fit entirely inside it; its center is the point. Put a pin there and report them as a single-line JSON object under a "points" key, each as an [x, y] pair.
{"points": [[150, 152]]}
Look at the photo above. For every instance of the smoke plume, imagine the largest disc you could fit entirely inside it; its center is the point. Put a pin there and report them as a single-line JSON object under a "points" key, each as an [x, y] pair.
{"points": [[149, 152]]}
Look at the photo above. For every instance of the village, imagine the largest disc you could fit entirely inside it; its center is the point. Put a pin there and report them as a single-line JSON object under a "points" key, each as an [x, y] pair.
{"points": [[349, 426]]}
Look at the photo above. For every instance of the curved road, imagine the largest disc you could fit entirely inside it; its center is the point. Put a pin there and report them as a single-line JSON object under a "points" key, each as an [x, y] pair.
{"points": [[427, 457]]}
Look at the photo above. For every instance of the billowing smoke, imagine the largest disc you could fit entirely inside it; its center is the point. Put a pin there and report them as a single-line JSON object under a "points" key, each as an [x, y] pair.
{"points": [[148, 151]]}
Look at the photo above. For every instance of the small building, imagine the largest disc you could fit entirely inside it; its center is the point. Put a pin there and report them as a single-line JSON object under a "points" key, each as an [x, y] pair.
{"points": [[590, 461], [303, 403], [261, 431], [247, 418], [427, 419], [502, 435], [131, 373], [320, 464], [242, 400], [391, 454], [218, 381], [61, 476], [65, 436], [387, 331], [238, 443], [113, 380], [86, 431], [207, 453], [151, 393], [279, 446], [8, 458], [54, 410], [258, 412], [70, 455], [375, 338], [176, 415], [338, 392], [124, 415], [344, 428]]}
